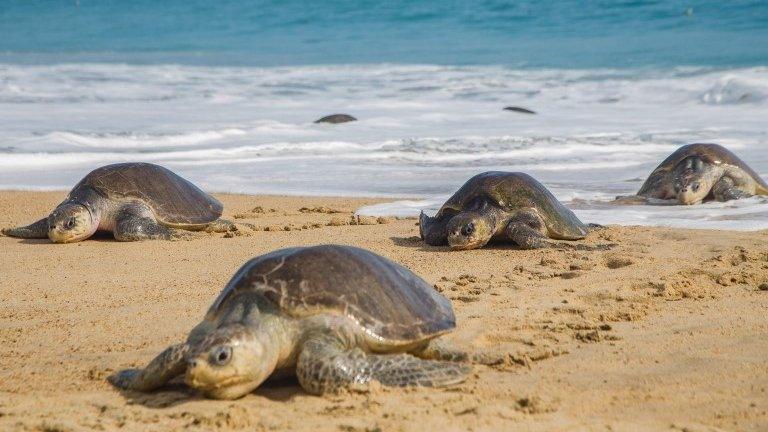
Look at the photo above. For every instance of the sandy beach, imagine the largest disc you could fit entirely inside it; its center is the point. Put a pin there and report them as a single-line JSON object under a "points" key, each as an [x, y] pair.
{"points": [[666, 330]]}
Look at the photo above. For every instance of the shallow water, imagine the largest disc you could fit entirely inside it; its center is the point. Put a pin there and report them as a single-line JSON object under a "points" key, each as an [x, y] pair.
{"points": [[423, 130]]}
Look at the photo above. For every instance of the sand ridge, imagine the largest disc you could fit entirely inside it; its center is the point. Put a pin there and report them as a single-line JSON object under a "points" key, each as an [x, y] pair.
{"points": [[663, 330]]}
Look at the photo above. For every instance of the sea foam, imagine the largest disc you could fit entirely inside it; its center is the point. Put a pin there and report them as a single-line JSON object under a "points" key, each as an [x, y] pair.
{"points": [[422, 129]]}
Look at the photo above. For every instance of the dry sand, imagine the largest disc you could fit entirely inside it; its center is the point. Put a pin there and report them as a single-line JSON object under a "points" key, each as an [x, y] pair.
{"points": [[668, 330]]}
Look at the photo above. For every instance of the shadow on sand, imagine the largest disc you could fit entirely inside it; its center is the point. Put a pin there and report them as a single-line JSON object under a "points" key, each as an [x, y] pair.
{"points": [[177, 393]]}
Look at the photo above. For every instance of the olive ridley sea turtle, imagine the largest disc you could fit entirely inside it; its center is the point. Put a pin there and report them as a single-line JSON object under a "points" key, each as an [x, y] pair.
{"points": [[696, 173], [336, 316], [501, 206], [134, 201]]}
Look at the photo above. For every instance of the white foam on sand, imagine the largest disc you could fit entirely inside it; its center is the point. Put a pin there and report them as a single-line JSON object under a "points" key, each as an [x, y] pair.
{"points": [[742, 215]]}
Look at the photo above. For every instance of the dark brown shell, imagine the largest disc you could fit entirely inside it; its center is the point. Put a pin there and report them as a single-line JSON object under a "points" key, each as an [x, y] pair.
{"points": [[387, 299], [513, 191], [173, 200], [336, 118], [657, 182]]}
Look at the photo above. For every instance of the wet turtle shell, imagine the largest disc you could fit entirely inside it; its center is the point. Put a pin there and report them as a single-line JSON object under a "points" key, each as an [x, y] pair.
{"points": [[173, 200], [713, 154], [336, 119], [392, 304], [512, 191]]}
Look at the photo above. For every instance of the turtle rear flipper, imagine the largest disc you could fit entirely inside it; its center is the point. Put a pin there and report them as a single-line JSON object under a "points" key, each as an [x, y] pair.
{"points": [[220, 226], [37, 230], [438, 349], [167, 365], [326, 365]]}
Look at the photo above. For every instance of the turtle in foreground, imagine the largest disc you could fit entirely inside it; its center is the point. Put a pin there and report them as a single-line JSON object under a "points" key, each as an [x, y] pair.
{"points": [[501, 206], [134, 201], [336, 316], [695, 173]]}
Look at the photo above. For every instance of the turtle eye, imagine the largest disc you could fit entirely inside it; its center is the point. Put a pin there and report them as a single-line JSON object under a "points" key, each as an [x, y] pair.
{"points": [[468, 229], [221, 355], [70, 223]]}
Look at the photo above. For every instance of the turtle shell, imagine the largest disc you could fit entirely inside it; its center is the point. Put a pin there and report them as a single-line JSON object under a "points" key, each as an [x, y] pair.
{"points": [[713, 154], [392, 304], [173, 200], [513, 191]]}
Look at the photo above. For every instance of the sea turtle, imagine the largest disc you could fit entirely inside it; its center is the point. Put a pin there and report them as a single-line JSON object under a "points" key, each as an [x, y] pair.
{"points": [[336, 316], [336, 118], [499, 205], [135, 201], [702, 172]]}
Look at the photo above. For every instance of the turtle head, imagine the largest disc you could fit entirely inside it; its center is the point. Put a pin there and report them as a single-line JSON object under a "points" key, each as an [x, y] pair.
{"points": [[692, 182], [70, 223], [470, 230], [231, 362]]}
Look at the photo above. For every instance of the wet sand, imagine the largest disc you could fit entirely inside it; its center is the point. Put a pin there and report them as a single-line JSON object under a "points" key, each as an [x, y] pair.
{"points": [[666, 330]]}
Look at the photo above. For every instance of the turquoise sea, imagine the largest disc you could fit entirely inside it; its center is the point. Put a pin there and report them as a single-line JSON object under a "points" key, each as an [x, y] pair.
{"points": [[524, 33]]}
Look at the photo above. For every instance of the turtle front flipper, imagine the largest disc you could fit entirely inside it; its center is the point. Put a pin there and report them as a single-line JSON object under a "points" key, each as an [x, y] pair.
{"points": [[135, 222], [167, 365], [725, 189], [326, 365], [37, 230], [141, 228], [526, 229]]}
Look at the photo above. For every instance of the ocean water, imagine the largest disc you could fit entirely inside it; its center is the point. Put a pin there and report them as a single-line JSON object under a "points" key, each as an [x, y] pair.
{"points": [[580, 34], [225, 93]]}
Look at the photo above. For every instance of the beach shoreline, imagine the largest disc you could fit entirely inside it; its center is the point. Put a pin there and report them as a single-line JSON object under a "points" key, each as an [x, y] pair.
{"points": [[654, 329]]}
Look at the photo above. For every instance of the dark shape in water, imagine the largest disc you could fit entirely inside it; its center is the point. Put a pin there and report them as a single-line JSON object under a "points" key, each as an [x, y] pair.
{"points": [[336, 118], [519, 109]]}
